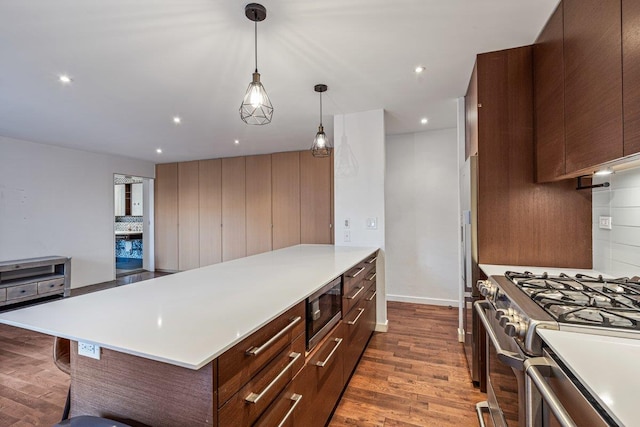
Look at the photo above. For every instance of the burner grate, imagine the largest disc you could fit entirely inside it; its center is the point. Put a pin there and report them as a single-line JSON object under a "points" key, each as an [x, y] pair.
{"points": [[584, 299]]}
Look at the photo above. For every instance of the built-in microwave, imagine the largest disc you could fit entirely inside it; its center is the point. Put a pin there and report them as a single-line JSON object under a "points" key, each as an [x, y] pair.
{"points": [[323, 311]]}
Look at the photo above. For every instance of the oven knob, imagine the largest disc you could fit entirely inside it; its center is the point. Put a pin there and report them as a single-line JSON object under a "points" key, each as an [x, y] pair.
{"points": [[515, 329], [505, 319], [482, 287], [501, 312]]}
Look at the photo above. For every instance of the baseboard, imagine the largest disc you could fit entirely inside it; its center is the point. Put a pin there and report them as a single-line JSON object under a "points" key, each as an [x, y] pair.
{"points": [[382, 327], [422, 300]]}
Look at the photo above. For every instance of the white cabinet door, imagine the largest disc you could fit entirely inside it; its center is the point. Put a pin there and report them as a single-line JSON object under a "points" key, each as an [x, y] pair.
{"points": [[119, 200], [136, 199]]}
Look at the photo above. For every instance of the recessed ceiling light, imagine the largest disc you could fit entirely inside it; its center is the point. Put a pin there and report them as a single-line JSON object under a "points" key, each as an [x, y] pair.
{"points": [[159, 150], [235, 141], [177, 120], [424, 121], [65, 79], [419, 69]]}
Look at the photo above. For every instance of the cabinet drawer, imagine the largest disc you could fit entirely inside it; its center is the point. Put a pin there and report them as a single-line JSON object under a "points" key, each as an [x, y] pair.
{"points": [[252, 399], [53, 285], [353, 277], [351, 299], [285, 410], [22, 291], [357, 333], [3, 294], [240, 363], [323, 379]]}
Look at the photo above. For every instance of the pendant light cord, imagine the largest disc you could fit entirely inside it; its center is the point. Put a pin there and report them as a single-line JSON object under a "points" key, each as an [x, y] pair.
{"points": [[255, 23], [320, 108]]}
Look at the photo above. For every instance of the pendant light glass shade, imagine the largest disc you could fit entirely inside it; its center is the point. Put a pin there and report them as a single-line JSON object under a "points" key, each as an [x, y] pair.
{"points": [[321, 146], [256, 108]]}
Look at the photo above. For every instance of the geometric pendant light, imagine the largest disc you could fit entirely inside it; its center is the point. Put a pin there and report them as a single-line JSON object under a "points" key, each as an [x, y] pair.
{"points": [[256, 108], [321, 146]]}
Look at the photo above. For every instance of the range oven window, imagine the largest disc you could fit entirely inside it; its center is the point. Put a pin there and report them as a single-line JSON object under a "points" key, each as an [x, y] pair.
{"points": [[323, 311]]}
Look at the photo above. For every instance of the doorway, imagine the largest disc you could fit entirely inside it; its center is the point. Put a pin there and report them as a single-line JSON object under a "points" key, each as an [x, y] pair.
{"points": [[129, 223]]}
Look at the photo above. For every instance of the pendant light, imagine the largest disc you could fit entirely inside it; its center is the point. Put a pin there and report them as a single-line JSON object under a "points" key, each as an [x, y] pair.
{"points": [[321, 146], [256, 108]]}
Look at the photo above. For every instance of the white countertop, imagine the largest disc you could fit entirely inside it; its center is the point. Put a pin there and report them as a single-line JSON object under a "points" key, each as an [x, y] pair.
{"points": [[499, 270], [608, 367], [190, 318]]}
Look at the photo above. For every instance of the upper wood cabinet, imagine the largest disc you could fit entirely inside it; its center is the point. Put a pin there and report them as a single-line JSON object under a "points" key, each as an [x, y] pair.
{"points": [[234, 243], [548, 84], [471, 115], [258, 198], [587, 87], [210, 211], [286, 199], [520, 222], [593, 82], [631, 75], [315, 195], [166, 217]]}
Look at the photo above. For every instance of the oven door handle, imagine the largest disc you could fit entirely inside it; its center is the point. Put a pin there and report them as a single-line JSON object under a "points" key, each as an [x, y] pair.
{"points": [[532, 369], [509, 358]]}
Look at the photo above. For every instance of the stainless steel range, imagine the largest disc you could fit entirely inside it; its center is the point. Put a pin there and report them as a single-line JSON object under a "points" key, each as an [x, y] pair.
{"points": [[526, 384]]}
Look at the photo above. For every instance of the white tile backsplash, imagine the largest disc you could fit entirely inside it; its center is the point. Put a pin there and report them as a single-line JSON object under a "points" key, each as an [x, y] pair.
{"points": [[617, 251]]}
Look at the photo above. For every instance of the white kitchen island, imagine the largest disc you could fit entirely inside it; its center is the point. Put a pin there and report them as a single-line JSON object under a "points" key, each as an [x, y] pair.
{"points": [[175, 326]]}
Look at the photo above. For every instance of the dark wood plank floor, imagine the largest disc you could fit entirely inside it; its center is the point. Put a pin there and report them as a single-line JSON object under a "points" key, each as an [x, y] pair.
{"points": [[413, 375]]}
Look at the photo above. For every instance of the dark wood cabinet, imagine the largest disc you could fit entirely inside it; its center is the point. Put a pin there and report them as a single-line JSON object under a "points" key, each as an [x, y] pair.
{"points": [[548, 83], [521, 222], [631, 75], [593, 82], [471, 115]]}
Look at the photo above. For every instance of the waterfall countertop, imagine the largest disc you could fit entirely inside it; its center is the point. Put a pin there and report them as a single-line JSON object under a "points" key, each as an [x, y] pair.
{"points": [[189, 318]]}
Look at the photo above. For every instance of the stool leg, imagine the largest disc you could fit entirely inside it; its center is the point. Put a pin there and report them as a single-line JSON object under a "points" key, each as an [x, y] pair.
{"points": [[67, 406]]}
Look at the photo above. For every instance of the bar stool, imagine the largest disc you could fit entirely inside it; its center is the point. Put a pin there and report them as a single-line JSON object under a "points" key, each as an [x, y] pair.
{"points": [[89, 421], [62, 359]]}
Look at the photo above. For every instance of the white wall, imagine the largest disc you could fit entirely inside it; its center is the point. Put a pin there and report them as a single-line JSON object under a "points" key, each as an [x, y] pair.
{"points": [[58, 201], [359, 168], [422, 198], [617, 251]]}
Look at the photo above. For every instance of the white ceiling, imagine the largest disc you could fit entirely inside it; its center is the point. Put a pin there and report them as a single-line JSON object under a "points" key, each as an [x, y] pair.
{"points": [[136, 64]]}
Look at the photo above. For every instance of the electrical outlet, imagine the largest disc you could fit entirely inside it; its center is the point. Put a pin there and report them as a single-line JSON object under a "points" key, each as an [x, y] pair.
{"points": [[347, 235], [605, 222], [89, 350]]}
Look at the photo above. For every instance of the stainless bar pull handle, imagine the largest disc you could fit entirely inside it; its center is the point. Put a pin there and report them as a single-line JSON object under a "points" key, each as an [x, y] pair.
{"points": [[322, 364], [373, 276], [534, 374], [360, 289], [354, 321], [358, 272], [481, 408], [509, 358], [296, 398], [372, 260], [254, 351], [254, 397], [372, 296]]}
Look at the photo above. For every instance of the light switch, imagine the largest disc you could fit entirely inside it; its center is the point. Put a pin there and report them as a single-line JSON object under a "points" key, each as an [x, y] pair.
{"points": [[347, 223], [372, 223], [605, 222]]}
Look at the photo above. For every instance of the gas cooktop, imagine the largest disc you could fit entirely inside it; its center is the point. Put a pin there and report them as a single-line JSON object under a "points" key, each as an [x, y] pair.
{"points": [[582, 299]]}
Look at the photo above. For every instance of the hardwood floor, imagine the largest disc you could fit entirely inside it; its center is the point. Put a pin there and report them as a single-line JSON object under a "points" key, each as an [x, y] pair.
{"points": [[413, 375]]}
